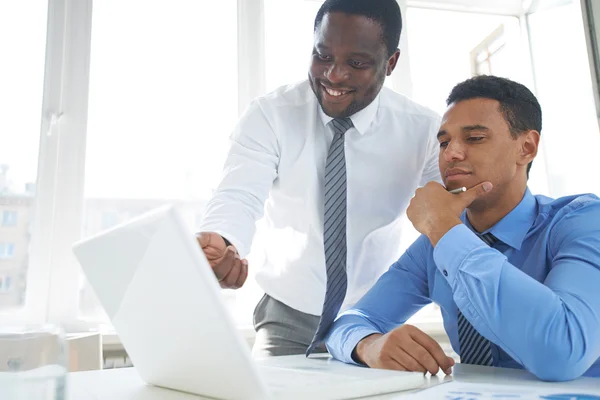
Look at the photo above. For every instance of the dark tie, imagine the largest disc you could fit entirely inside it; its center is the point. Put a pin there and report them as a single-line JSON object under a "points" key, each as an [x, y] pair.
{"points": [[474, 348], [334, 231]]}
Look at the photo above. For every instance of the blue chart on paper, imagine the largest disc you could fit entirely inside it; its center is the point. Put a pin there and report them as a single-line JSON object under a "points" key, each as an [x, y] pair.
{"points": [[476, 391], [570, 396], [475, 395]]}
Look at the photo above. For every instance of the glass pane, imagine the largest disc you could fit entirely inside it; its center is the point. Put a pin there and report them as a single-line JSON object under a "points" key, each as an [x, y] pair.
{"points": [[163, 101], [500, 62], [482, 56], [288, 55], [483, 68], [496, 45], [22, 45], [439, 61], [570, 133]]}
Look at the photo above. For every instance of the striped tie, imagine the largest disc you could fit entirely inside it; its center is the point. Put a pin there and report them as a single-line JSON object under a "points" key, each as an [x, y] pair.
{"points": [[334, 233], [474, 348]]}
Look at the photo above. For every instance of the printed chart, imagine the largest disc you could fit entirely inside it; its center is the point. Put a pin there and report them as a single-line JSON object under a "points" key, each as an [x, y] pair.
{"points": [[474, 391]]}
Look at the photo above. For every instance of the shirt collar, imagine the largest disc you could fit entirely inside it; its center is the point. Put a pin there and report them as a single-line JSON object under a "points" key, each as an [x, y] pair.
{"points": [[361, 119], [513, 228]]}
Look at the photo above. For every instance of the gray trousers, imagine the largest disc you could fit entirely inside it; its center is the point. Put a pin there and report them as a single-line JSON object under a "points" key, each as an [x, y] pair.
{"points": [[282, 330]]}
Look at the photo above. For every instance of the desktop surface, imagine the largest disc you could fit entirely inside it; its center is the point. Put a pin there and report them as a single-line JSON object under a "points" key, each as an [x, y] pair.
{"points": [[125, 383]]}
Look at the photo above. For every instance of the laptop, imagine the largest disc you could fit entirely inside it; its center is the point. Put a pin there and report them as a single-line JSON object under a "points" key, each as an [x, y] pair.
{"points": [[167, 307]]}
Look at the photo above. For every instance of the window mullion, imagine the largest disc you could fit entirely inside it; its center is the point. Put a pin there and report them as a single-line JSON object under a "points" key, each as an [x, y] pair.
{"points": [[59, 200], [251, 51]]}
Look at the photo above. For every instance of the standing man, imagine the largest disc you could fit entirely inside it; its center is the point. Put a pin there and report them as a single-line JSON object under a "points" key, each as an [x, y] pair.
{"points": [[336, 158]]}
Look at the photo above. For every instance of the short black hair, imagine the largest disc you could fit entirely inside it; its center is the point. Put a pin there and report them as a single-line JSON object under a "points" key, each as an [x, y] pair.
{"points": [[519, 106], [385, 12]]}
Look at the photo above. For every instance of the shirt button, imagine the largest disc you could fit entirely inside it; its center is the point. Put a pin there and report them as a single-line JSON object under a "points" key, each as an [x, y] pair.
{"points": [[445, 273]]}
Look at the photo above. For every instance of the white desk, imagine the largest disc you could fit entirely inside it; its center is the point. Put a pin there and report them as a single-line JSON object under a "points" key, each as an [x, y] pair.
{"points": [[125, 383]]}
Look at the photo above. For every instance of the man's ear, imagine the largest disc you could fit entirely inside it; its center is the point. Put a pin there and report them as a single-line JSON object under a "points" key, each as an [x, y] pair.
{"points": [[392, 62], [529, 143]]}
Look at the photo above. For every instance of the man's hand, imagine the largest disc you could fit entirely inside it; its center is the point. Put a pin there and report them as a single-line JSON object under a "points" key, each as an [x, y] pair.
{"points": [[406, 348], [434, 211], [225, 261]]}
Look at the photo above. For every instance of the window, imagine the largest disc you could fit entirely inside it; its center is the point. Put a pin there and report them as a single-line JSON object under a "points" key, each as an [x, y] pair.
{"points": [[134, 118], [288, 55], [5, 283], [439, 61], [570, 135], [9, 218], [22, 45], [7, 250], [488, 53], [162, 103]]}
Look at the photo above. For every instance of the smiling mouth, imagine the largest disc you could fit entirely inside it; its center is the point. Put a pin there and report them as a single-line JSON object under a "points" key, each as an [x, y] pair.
{"points": [[335, 92]]}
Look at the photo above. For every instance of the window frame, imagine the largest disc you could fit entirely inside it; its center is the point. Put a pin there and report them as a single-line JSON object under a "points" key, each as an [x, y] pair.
{"points": [[53, 274], [485, 48]]}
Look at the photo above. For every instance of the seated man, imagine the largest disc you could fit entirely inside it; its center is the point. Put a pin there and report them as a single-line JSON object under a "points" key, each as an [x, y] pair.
{"points": [[517, 276]]}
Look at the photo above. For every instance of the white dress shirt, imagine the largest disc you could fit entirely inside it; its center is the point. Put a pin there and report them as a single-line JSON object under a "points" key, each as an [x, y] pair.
{"points": [[276, 166]]}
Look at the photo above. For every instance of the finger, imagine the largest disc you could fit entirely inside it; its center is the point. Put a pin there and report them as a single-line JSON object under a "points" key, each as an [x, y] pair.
{"points": [[436, 185], [433, 350], [230, 280], [232, 276], [224, 265], [407, 361], [474, 193], [243, 275], [203, 239], [423, 357], [449, 370], [391, 361]]}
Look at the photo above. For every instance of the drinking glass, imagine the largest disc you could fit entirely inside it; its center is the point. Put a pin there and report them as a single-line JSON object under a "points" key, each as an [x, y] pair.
{"points": [[33, 363]]}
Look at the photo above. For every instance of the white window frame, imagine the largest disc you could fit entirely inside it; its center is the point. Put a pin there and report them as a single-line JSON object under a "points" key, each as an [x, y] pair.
{"points": [[485, 47], [591, 22]]}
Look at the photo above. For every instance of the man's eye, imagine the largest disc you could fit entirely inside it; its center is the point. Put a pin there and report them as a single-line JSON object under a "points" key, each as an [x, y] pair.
{"points": [[356, 63], [323, 57], [475, 138], [443, 144]]}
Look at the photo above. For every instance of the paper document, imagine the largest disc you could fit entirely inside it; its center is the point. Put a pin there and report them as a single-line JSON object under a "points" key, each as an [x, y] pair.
{"points": [[475, 391]]}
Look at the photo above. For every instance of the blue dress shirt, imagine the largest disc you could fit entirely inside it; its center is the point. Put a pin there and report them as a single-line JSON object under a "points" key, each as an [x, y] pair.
{"points": [[535, 295]]}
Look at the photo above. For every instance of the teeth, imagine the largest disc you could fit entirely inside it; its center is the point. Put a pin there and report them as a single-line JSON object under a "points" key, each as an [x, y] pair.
{"points": [[333, 92]]}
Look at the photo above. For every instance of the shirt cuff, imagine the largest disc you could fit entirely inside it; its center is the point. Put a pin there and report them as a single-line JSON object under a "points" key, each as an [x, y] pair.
{"points": [[453, 248], [233, 240], [349, 343]]}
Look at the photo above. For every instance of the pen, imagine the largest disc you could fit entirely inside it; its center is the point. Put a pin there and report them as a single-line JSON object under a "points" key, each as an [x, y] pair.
{"points": [[459, 190]]}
